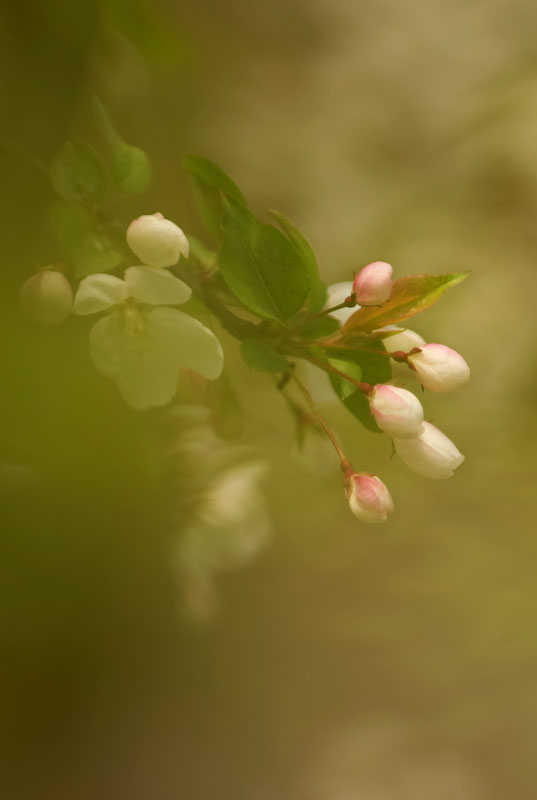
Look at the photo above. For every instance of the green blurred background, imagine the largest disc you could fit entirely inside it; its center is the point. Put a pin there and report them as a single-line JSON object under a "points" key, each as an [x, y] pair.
{"points": [[346, 662]]}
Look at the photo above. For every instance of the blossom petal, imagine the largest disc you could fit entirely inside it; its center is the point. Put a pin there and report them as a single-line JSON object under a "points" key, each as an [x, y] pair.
{"points": [[106, 340], [147, 370], [99, 292], [156, 286], [193, 345], [337, 293]]}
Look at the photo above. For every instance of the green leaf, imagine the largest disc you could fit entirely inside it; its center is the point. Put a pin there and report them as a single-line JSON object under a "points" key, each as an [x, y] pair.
{"points": [[84, 249], [131, 168], [319, 328], [262, 357], [260, 265], [304, 249], [210, 184], [203, 255], [344, 388], [358, 405], [77, 173], [375, 368], [411, 295]]}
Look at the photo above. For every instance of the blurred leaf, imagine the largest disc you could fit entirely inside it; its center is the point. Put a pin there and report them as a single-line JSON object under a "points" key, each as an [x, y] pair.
{"points": [[261, 266], [262, 357], [202, 254], [411, 295], [227, 413], [130, 165], [318, 293], [210, 182], [77, 173], [86, 250]]}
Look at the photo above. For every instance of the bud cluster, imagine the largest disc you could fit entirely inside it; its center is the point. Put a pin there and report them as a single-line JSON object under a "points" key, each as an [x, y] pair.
{"points": [[397, 411]]}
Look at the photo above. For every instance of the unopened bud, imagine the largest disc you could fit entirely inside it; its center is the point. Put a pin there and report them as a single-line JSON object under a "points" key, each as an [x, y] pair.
{"points": [[369, 498], [403, 341], [439, 368], [373, 285], [47, 297], [157, 241], [397, 411], [431, 454]]}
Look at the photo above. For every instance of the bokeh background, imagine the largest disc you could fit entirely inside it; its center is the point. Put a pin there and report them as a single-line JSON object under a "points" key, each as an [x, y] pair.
{"points": [[345, 662]]}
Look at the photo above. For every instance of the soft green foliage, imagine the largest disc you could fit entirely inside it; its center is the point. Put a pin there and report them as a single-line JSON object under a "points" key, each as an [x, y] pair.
{"points": [[129, 164], [210, 183], [78, 174], [262, 357], [317, 288], [85, 249], [261, 266]]}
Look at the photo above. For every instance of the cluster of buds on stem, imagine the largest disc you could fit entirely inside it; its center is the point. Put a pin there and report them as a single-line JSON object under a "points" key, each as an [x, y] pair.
{"points": [[397, 411]]}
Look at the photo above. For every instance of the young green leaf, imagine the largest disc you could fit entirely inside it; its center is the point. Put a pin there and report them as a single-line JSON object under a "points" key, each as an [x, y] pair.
{"points": [[86, 250], [262, 357], [77, 174], [260, 265], [210, 184], [304, 249], [411, 295], [344, 388], [130, 165]]}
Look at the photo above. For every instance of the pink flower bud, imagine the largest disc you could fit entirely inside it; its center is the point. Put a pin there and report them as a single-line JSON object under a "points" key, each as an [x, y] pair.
{"points": [[396, 411], [373, 285], [369, 498], [439, 368], [158, 242], [431, 454], [47, 297]]}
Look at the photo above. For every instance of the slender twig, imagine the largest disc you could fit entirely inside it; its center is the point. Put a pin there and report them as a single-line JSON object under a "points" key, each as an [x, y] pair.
{"points": [[321, 420]]}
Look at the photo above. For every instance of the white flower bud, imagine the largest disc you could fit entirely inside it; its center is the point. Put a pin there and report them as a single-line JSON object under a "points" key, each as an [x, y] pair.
{"points": [[373, 285], [439, 368], [397, 411], [158, 242], [369, 498], [47, 297], [431, 454], [404, 340]]}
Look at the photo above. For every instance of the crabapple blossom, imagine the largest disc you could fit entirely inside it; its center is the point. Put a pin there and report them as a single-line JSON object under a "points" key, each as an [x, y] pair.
{"points": [[47, 297], [430, 454], [439, 368], [397, 411], [142, 341], [369, 498], [157, 241], [373, 285]]}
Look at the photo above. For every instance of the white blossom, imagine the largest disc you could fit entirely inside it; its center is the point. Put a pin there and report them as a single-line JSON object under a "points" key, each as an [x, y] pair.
{"points": [[431, 454], [141, 342], [157, 241]]}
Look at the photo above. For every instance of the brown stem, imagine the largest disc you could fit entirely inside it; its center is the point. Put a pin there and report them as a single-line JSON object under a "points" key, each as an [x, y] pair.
{"points": [[322, 422]]}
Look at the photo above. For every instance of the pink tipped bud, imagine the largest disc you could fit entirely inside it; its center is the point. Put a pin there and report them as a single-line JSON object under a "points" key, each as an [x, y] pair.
{"points": [[373, 285], [47, 297], [439, 368], [431, 454], [397, 411], [369, 498], [158, 242]]}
